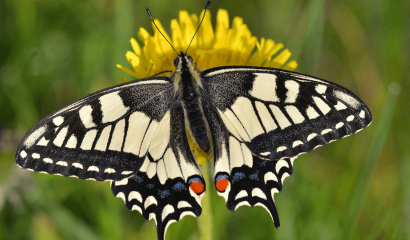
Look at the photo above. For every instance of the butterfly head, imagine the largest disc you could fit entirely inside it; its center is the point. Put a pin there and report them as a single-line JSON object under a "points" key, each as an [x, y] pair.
{"points": [[183, 61], [182, 58]]}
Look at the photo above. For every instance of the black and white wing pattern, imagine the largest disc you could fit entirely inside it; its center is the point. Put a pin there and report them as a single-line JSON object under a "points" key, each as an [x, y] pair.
{"points": [[103, 136], [132, 134], [240, 177], [262, 119], [244, 179], [135, 135], [167, 189], [281, 114]]}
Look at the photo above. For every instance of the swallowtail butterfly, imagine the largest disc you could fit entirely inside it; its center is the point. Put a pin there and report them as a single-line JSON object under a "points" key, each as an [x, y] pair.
{"points": [[252, 122]]}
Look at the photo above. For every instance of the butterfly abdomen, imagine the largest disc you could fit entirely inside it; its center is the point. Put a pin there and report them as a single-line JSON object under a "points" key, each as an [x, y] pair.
{"points": [[194, 115], [197, 125]]}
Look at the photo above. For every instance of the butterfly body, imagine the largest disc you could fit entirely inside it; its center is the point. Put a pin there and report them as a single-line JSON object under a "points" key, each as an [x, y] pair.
{"points": [[190, 91]]}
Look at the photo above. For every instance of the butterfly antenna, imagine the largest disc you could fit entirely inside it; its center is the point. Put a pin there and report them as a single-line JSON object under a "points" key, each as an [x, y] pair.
{"points": [[206, 8], [149, 14]]}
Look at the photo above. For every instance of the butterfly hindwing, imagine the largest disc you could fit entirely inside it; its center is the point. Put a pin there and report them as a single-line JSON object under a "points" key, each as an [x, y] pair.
{"points": [[168, 188], [256, 185], [240, 177], [282, 114], [103, 136], [244, 179], [238, 174]]}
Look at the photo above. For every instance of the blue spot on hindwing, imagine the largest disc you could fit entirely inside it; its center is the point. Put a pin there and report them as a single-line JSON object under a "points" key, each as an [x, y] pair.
{"points": [[163, 194], [196, 179], [179, 186], [221, 176], [238, 176], [138, 178], [254, 176], [150, 185]]}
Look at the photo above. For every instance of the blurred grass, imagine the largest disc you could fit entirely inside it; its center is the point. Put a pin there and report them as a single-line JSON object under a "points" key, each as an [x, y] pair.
{"points": [[56, 51]]}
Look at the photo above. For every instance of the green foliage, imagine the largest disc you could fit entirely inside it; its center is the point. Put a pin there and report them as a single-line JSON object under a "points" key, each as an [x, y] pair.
{"points": [[56, 51]]}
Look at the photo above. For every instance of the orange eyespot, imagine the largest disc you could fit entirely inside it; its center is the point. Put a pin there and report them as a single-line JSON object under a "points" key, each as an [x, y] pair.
{"points": [[222, 184], [197, 187]]}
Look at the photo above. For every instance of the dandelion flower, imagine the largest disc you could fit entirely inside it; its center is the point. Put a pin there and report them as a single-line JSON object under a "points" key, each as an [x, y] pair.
{"points": [[226, 46]]}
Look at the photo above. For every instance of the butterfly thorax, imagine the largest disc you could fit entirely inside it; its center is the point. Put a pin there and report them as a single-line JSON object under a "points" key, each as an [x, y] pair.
{"points": [[190, 96]]}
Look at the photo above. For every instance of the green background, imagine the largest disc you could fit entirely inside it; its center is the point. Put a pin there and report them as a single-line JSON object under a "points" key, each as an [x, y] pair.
{"points": [[53, 52]]}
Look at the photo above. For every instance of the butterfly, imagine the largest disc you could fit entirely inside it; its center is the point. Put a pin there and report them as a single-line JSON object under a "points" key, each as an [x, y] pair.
{"points": [[251, 122]]}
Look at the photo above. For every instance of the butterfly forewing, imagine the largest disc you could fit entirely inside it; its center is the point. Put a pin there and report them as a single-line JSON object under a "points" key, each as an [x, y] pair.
{"points": [[104, 136], [282, 114]]}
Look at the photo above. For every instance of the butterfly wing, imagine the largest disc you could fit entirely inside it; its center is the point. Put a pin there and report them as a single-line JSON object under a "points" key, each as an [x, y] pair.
{"points": [[240, 177], [262, 119], [281, 114], [244, 179], [103, 136], [167, 189], [132, 134]]}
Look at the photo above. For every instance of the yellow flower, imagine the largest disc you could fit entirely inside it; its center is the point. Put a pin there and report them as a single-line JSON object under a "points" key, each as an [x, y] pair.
{"points": [[223, 47]]}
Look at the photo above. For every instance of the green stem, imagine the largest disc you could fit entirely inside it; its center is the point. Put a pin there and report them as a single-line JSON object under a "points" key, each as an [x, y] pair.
{"points": [[205, 221]]}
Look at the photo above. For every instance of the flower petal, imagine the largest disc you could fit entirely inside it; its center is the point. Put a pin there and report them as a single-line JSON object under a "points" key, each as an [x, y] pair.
{"points": [[188, 28], [143, 34], [290, 66], [161, 42], [275, 49], [222, 24], [177, 39], [280, 59], [130, 72], [133, 59], [135, 46], [206, 33]]}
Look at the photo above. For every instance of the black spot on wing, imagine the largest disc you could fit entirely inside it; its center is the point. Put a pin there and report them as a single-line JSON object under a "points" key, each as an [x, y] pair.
{"points": [[96, 112], [239, 83], [281, 90], [305, 98], [152, 99]]}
